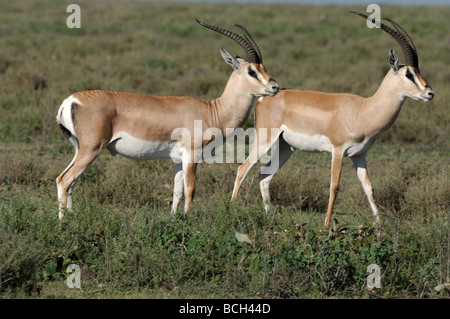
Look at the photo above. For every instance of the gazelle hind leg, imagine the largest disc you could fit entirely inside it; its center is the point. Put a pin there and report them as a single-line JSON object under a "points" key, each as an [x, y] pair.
{"points": [[65, 182], [278, 159]]}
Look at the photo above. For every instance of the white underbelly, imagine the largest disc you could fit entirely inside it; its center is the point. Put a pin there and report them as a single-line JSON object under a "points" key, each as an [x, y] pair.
{"points": [[306, 142], [134, 148]]}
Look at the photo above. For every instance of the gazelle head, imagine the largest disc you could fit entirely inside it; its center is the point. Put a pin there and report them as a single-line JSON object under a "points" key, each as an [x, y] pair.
{"points": [[406, 77], [250, 73]]}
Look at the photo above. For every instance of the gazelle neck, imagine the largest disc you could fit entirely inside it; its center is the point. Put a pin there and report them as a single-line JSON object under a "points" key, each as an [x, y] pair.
{"points": [[383, 107], [233, 107]]}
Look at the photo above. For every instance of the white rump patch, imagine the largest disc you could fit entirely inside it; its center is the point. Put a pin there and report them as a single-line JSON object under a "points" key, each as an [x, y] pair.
{"points": [[64, 116]]}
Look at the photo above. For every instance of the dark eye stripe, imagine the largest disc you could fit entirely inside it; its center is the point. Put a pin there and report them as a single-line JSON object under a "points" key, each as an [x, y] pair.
{"points": [[252, 73], [410, 76]]}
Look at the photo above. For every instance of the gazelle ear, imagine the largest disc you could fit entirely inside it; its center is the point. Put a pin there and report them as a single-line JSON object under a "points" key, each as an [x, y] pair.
{"points": [[230, 60], [393, 61]]}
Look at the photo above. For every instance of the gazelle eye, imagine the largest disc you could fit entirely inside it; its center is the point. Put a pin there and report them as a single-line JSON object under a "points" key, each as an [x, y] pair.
{"points": [[252, 73], [409, 75]]}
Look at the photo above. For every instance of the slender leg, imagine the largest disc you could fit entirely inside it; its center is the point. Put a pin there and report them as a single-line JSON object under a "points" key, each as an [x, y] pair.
{"points": [[189, 183], [359, 163], [178, 187], [261, 146], [276, 162], [336, 166], [243, 171], [189, 165], [68, 201], [66, 180]]}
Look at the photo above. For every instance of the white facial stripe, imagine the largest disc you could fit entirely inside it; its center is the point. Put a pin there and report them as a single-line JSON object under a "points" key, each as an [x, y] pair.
{"points": [[264, 81], [416, 80]]}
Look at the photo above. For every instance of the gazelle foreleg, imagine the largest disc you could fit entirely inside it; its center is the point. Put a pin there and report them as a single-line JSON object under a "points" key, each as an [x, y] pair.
{"points": [[178, 187], [359, 163], [336, 167], [261, 146], [243, 171], [277, 160], [189, 167]]}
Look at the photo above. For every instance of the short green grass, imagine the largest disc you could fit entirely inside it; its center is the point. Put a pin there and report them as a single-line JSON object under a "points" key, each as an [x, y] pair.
{"points": [[120, 231]]}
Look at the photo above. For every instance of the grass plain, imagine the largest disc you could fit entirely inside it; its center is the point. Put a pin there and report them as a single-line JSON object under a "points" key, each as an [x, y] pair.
{"points": [[120, 231]]}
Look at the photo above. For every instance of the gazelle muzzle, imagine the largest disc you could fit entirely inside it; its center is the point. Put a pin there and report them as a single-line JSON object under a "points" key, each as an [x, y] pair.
{"points": [[272, 87]]}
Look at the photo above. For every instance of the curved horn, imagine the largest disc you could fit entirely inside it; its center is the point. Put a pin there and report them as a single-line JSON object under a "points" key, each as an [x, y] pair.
{"points": [[252, 54], [402, 31], [402, 38], [250, 40]]}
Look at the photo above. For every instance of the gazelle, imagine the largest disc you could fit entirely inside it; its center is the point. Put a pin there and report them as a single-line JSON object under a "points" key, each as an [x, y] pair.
{"points": [[141, 127], [339, 123]]}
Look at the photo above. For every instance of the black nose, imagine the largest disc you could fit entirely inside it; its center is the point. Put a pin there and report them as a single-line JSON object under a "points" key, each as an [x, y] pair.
{"points": [[430, 94], [275, 85]]}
